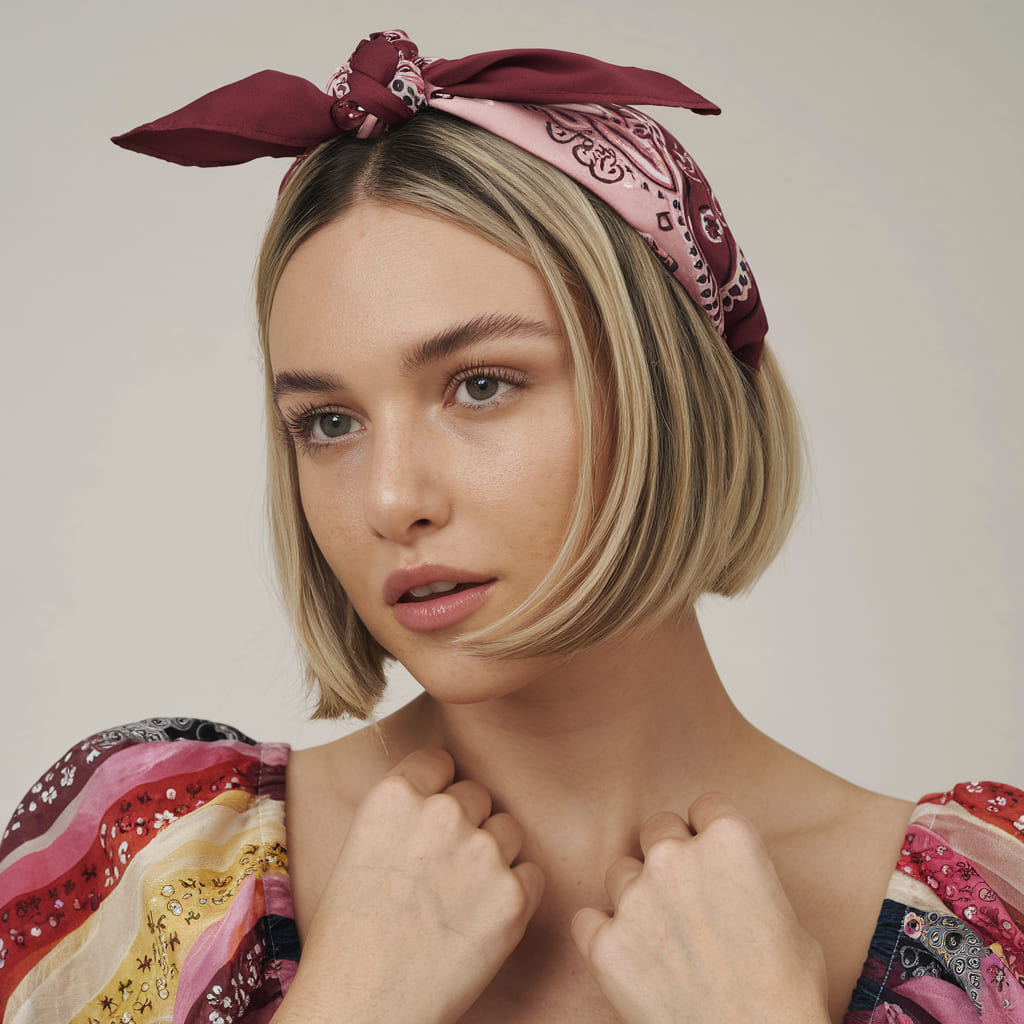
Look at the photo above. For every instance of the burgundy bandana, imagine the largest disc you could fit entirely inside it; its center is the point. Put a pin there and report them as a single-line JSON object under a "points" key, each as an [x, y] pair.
{"points": [[572, 111]]}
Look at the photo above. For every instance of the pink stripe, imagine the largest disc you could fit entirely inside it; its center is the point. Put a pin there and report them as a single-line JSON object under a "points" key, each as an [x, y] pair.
{"points": [[960, 884], [127, 770], [216, 946], [277, 894]]}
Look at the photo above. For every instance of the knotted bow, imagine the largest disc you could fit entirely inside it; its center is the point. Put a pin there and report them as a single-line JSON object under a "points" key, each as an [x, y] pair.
{"points": [[573, 111], [383, 84]]}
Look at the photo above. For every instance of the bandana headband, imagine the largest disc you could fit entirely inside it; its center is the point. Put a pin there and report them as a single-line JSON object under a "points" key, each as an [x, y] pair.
{"points": [[573, 112]]}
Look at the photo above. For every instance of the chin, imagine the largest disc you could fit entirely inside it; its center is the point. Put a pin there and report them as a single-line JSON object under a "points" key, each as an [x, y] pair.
{"points": [[470, 678]]}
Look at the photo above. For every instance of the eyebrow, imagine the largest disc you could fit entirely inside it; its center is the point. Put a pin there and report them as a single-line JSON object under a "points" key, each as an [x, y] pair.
{"points": [[435, 348], [480, 328]]}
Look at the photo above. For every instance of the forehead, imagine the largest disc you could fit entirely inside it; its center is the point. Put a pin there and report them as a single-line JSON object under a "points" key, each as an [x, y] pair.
{"points": [[390, 274]]}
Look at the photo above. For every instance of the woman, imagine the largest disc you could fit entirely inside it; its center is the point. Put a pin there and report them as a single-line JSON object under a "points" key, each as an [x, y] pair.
{"points": [[517, 426]]}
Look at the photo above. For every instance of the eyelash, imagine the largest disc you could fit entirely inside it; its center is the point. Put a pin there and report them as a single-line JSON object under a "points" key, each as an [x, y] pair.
{"points": [[511, 378], [298, 425]]}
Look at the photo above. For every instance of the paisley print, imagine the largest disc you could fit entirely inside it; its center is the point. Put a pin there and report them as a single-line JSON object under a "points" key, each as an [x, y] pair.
{"points": [[144, 878]]}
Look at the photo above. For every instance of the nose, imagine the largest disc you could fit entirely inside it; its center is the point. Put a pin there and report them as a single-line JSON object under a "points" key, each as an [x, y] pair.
{"points": [[405, 495]]}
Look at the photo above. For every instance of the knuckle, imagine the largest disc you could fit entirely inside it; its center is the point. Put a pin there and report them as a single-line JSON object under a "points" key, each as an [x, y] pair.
{"points": [[510, 897], [444, 811], [665, 852], [485, 846], [392, 791], [732, 828]]}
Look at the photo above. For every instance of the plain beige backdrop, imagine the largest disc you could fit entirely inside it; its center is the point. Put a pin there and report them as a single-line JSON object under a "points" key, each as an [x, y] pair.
{"points": [[870, 162]]}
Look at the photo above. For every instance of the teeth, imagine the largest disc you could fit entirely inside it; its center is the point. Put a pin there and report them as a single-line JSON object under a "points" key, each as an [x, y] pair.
{"points": [[427, 589]]}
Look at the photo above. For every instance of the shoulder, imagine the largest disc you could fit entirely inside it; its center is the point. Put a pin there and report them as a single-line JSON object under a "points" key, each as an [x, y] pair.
{"points": [[139, 835]]}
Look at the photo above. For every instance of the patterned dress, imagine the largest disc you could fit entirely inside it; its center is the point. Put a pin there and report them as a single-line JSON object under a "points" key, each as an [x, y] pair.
{"points": [[144, 878]]}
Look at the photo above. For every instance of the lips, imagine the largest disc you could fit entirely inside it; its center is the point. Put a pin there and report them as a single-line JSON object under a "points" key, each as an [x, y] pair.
{"points": [[434, 597], [441, 579]]}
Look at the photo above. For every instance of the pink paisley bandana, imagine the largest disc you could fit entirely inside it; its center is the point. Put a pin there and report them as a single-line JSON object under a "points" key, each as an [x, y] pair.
{"points": [[574, 112]]}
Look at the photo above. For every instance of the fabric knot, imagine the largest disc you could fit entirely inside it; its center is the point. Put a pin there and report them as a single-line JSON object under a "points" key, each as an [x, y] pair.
{"points": [[379, 87], [575, 112]]}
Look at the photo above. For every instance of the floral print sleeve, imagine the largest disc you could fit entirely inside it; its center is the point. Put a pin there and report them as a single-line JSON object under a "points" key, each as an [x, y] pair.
{"points": [[949, 945], [144, 878]]}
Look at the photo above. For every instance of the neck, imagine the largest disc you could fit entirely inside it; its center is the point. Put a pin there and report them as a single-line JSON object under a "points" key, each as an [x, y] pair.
{"points": [[591, 748]]}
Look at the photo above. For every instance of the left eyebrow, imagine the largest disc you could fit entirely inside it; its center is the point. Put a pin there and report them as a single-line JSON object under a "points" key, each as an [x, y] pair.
{"points": [[481, 328]]}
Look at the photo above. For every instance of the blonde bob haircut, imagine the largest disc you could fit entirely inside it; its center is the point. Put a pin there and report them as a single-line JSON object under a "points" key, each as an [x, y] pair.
{"points": [[704, 455]]}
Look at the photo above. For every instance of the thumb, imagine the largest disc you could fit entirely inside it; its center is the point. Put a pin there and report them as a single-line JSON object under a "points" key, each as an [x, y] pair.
{"points": [[531, 878], [584, 929]]}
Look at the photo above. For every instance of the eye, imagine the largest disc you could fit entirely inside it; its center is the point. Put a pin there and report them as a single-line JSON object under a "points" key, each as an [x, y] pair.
{"points": [[328, 426], [479, 389], [314, 429], [484, 387]]}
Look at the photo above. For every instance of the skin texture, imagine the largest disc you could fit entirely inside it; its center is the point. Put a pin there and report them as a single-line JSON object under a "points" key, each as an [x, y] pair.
{"points": [[532, 839], [427, 476]]}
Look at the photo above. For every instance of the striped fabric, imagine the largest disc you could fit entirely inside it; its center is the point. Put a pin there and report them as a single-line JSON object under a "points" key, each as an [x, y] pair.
{"points": [[145, 878]]}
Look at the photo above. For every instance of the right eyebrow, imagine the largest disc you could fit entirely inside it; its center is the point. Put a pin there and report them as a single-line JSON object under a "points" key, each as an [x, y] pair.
{"points": [[289, 382]]}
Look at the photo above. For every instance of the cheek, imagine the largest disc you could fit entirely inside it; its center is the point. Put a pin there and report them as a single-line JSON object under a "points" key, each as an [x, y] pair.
{"points": [[330, 511], [539, 486]]}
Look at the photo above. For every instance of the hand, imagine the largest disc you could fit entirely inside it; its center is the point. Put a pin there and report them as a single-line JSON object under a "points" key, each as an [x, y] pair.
{"points": [[702, 929], [422, 907]]}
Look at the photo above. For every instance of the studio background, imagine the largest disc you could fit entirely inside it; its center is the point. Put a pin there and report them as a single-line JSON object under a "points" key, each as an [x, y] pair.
{"points": [[869, 161]]}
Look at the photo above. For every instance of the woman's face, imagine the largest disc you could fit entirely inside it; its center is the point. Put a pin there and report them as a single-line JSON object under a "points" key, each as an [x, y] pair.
{"points": [[424, 377]]}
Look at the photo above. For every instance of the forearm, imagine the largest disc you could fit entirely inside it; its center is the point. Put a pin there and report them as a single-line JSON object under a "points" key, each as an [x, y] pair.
{"points": [[319, 997]]}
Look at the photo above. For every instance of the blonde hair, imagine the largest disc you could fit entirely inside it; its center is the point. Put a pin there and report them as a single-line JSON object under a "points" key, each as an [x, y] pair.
{"points": [[705, 454]]}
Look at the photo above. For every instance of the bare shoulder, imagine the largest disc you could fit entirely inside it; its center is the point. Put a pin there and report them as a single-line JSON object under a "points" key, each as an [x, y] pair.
{"points": [[836, 869], [324, 786]]}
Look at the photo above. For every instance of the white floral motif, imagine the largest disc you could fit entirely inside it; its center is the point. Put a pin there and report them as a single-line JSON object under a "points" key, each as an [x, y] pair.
{"points": [[163, 818], [216, 997], [49, 796], [67, 776], [218, 1001], [1019, 824]]}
